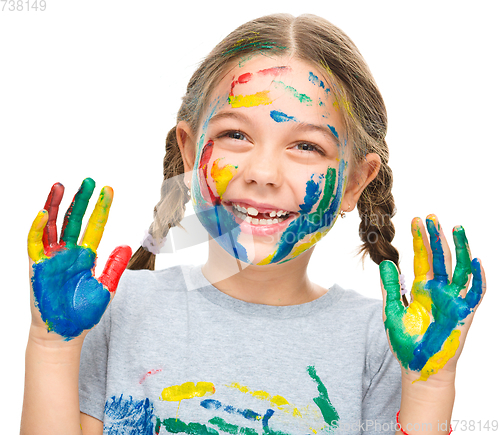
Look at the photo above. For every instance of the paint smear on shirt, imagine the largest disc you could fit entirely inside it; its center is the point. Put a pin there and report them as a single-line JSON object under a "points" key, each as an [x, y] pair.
{"points": [[187, 390], [150, 373]]}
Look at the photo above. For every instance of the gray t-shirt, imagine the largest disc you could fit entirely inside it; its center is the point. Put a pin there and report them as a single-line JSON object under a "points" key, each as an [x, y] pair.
{"points": [[172, 354]]}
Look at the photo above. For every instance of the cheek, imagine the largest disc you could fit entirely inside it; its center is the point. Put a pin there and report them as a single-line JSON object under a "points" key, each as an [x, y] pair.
{"points": [[215, 170], [220, 173]]}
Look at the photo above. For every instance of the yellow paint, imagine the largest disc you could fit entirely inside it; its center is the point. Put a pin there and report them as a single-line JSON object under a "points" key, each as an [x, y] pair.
{"points": [[439, 360], [266, 260], [35, 237], [222, 176], [299, 249], [421, 264], [416, 319], [278, 401], [98, 219], [252, 100], [188, 390]]}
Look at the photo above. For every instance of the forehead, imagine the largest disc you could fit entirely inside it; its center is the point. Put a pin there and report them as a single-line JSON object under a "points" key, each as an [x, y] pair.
{"points": [[286, 82]]}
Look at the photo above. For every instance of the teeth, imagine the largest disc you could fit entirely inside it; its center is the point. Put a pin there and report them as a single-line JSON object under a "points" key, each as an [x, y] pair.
{"points": [[252, 211], [246, 215]]}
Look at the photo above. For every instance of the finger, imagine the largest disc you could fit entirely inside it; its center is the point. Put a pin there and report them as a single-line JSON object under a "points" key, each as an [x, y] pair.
{"points": [[98, 219], [441, 255], [116, 264], [73, 219], [476, 293], [462, 270], [391, 287], [421, 250], [52, 206], [35, 237], [421, 264], [394, 311]]}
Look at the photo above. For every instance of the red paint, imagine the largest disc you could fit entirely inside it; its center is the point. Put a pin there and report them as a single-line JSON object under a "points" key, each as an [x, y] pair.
{"points": [[244, 78], [151, 372], [52, 207], [275, 71], [206, 154], [116, 264]]}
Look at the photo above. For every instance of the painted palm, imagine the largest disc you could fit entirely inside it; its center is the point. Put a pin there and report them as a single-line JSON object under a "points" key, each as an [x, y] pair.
{"points": [[425, 335], [69, 298]]}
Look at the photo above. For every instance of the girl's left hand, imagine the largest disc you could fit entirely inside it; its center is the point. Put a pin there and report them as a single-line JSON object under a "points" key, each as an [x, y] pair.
{"points": [[427, 337]]}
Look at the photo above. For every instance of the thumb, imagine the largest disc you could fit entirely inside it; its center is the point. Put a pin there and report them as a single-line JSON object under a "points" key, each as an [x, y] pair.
{"points": [[116, 264]]}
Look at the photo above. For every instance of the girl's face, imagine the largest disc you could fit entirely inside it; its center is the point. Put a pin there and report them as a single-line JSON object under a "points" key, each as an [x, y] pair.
{"points": [[271, 160]]}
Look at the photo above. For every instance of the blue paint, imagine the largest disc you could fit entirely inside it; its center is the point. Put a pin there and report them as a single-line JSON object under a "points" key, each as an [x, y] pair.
{"points": [[248, 414], [313, 193], [133, 417], [438, 264], [222, 226], [448, 309], [332, 129], [209, 116], [281, 117], [69, 298], [307, 224], [314, 79]]}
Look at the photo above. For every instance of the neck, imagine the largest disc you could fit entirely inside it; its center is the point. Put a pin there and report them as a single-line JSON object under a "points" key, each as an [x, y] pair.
{"points": [[273, 284]]}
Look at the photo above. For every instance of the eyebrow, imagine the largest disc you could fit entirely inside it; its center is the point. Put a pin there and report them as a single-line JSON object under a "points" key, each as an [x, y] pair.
{"points": [[328, 131]]}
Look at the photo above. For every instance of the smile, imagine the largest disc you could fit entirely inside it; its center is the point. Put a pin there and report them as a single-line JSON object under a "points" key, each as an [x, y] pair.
{"points": [[259, 220]]}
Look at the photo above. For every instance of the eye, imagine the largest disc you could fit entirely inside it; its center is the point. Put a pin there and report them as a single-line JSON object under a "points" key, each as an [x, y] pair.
{"points": [[233, 134], [309, 147]]}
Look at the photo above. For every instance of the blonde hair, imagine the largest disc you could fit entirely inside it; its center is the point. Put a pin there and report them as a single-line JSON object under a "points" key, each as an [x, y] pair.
{"points": [[318, 42]]}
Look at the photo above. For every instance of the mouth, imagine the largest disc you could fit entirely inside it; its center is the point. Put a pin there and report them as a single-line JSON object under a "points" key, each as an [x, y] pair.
{"points": [[258, 219]]}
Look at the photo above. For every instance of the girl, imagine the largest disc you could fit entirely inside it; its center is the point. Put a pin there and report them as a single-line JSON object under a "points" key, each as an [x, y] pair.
{"points": [[281, 130]]}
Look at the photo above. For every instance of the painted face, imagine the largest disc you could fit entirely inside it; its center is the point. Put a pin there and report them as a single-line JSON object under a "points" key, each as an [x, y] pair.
{"points": [[271, 161]]}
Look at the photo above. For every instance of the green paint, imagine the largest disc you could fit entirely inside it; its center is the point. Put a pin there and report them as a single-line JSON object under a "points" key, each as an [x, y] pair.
{"points": [[231, 428], [324, 204], [401, 341], [329, 413], [303, 98], [463, 267], [74, 216], [253, 45], [174, 425]]}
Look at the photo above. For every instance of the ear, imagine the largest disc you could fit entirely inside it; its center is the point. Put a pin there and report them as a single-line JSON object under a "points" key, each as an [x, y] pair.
{"points": [[186, 140], [363, 175]]}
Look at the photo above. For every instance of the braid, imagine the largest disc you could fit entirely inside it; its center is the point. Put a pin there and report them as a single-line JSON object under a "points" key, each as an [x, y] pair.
{"points": [[170, 209], [376, 209]]}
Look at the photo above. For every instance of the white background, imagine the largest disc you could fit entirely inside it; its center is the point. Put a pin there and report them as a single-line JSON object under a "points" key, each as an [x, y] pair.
{"points": [[91, 88]]}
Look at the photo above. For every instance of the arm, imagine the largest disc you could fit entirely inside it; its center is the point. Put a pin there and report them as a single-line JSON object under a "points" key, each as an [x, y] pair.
{"points": [[66, 302], [427, 337]]}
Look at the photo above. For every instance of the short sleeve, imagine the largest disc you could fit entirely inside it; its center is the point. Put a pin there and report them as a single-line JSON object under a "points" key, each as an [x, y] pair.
{"points": [[382, 383], [93, 368]]}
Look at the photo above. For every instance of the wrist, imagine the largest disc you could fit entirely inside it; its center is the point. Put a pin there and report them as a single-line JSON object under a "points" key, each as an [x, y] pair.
{"points": [[43, 339], [427, 404]]}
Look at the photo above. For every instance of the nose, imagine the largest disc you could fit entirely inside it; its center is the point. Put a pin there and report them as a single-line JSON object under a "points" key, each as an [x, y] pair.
{"points": [[263, 167]]}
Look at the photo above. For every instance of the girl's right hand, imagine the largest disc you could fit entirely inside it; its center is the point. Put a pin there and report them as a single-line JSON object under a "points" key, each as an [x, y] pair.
{"points": [[66, 299]]}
